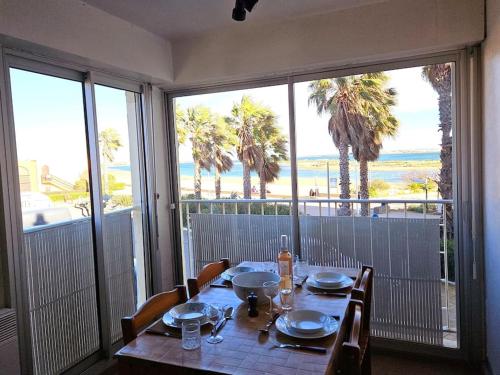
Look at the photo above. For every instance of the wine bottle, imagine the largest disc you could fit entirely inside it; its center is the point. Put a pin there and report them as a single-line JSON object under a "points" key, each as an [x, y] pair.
{"points": [[285, 264]]}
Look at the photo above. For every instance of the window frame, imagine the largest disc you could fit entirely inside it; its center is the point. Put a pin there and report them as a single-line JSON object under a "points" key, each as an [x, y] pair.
{"points": [[467, 183]]}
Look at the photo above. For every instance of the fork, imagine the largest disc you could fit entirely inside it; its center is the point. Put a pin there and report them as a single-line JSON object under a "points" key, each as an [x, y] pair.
{"points": [[316, 349]]}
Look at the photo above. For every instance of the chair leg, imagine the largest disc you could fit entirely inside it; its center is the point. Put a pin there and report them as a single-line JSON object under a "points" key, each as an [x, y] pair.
{"points": [[367, 360]]}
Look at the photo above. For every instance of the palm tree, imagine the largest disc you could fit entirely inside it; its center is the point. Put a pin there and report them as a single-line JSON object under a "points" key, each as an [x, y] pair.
{"points": [[196, 124], [338, 98], [440, 78], [376, 122], [223, 140], [109, 143], [247, 117], [273, 150]]}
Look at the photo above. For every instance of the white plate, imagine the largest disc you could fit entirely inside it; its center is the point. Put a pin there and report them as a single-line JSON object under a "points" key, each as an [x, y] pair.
{"points": [[346, 284], [191, 311], [329, 279], [233, 271], [306, 321], [328, 330]]}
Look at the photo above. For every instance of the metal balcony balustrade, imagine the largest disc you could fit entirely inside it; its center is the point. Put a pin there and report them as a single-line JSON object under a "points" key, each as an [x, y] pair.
{"points": [[407, 241]]}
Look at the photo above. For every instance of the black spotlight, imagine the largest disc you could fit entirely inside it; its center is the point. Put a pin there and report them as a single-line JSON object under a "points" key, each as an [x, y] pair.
{"points": [[241, 7]]}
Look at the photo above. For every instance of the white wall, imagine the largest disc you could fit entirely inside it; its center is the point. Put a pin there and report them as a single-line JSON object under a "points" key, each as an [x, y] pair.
{"points": [[491, 180], [389, 29], [76, 28]]}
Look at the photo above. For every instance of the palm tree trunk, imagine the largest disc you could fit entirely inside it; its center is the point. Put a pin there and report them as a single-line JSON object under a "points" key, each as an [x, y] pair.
{"points": [[197, 180], [217, 183], [344, 178], [247, 182], [363, 185], [263, 185], [446, 174]]}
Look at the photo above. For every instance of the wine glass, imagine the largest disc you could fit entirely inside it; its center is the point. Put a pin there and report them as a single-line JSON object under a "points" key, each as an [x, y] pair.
{"points": [[214, 338], [271, 289]]}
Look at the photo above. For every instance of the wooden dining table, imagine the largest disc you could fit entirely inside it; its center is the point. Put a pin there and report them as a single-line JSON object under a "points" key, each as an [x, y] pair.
{"points": [[244, 350]]}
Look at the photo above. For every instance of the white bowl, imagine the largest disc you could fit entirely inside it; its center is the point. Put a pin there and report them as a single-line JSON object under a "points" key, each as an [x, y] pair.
{"points": [[245, 283], [329, 279], [191, 311], [306, 321]]}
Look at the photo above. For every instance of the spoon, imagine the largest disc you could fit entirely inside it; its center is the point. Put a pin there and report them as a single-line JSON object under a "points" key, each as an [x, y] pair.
{"points": [[228, 314]]}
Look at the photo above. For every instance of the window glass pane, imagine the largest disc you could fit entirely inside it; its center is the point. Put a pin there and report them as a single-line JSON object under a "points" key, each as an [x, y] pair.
{"points": [[375, 187], [56, 213], [118, 122], [234, 146]]}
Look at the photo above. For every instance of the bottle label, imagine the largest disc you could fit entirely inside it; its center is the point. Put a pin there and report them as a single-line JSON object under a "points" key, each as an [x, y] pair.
{"points": [[284, 268]]}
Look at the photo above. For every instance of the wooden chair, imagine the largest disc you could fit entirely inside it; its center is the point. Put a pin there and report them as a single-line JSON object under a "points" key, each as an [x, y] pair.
{"points": [[207, 274], [352, 356], [362, 291], [150, 310]]}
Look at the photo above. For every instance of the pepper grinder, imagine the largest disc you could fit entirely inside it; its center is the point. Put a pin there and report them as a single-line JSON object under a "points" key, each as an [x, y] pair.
{"points": [[252, 305]]}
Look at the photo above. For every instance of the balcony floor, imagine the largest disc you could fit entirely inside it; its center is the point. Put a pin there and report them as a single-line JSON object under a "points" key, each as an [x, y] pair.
{"points": [[450, 335]]}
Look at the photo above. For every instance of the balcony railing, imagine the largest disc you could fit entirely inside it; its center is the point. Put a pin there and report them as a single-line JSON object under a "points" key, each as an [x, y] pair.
{"points": [[407, 241], [60, 271]]}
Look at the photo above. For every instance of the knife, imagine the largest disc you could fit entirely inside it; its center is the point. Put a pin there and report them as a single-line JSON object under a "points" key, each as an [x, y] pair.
{"points": [[299, 283], [166, 334], [228, 314], [219, 286], [329, 294]]}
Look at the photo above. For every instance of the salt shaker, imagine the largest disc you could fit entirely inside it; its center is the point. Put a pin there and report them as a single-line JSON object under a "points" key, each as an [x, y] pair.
{"points": [[252, 305]]}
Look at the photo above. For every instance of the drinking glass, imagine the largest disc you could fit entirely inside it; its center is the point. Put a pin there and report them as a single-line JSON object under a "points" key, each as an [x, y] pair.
{"points": [[271, 289], [191, 337], [301, 267], [214, 338], [286, 298]]}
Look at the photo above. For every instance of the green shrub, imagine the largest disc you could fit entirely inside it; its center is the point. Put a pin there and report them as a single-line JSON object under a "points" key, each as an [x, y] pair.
{"points": [[69, 196], [122, 200], [377, 187], [256, 208], [431, 208]]}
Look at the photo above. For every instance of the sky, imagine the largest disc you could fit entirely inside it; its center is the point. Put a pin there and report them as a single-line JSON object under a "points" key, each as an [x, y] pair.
{"points": [[50, 122], [416, 109]]}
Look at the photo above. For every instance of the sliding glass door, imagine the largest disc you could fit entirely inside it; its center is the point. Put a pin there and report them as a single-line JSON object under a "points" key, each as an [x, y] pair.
{"points": [[82, 205], [57, 219], [119, 133]]}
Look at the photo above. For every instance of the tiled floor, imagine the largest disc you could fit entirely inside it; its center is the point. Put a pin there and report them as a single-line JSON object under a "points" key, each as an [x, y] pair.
{"points": [[383, 364]]}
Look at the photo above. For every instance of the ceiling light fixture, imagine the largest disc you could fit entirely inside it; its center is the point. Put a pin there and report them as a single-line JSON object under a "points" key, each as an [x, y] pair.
{"points": [[241, 7]]}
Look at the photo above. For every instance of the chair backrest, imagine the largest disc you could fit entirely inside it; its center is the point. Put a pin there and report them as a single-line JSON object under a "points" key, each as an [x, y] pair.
{"points": [[362, 291], [354, 342], [150, 310], [207, 274]]}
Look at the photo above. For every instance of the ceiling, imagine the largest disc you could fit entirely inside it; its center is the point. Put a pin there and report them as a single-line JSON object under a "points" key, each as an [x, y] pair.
{"points": [[173, 19]]}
